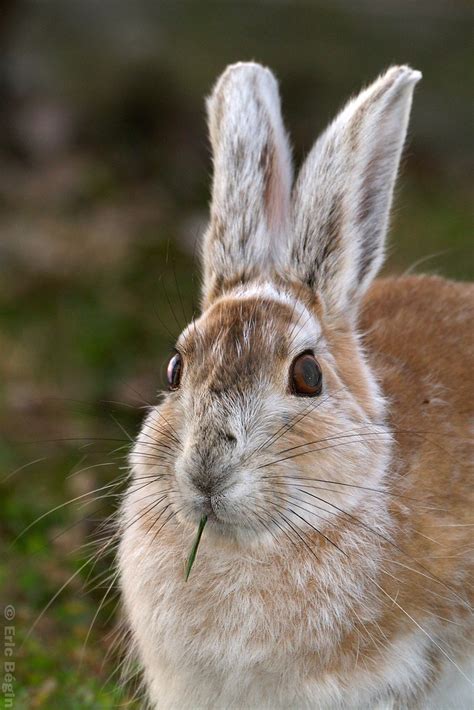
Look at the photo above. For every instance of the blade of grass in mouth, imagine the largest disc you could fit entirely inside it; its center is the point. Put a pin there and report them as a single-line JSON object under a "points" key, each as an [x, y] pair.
{"points": [[197, 540]]}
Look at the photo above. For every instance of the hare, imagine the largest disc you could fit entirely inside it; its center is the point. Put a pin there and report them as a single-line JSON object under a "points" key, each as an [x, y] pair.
{"points": [[319, 419]]}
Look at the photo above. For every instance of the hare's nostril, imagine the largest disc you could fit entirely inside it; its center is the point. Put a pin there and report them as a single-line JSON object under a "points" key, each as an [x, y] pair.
{"points": [[230, 438], [203, 486]]}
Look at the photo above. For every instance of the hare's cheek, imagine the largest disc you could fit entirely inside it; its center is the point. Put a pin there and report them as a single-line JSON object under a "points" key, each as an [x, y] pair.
{"points": [[323, 468]]}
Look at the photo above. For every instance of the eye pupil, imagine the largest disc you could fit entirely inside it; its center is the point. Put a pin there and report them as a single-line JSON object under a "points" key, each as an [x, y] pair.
{"points": [[309, 373], [306, 376], [173, 372]]}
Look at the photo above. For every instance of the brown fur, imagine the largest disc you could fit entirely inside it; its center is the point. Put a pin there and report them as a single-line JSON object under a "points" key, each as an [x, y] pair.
{"points": [[418, 335]]}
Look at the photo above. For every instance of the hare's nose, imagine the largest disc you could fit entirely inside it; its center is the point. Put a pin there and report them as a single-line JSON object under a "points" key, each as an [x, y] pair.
{"points": [[203, 484], [210, 471]]}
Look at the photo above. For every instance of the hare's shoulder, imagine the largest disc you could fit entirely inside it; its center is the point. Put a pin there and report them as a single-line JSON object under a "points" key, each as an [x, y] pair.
{"points": [[421, 327], [418, 335]]}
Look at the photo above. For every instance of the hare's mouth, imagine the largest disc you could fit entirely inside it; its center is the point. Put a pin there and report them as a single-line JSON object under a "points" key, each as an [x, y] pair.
{"points": [[226, 506], [216, 508], [220, 504], [224, 514]]}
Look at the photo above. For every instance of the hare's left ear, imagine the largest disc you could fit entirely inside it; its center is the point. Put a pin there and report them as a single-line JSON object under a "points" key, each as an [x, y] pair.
{"points": [[344, 193], [252, 178]]}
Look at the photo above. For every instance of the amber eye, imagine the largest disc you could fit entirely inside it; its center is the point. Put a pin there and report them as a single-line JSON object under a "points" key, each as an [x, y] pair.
{"points": [[306, 378], [173, 373]]}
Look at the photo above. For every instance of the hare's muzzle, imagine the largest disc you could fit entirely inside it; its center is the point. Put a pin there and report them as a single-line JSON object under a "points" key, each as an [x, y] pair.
{"points": [[208, 474]]}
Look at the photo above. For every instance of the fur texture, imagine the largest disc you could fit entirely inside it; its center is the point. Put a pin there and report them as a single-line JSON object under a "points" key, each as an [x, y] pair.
{"points": [[334, 570], [252, 177]]}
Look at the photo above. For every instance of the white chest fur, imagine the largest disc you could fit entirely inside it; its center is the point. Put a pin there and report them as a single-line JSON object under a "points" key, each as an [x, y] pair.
{"points": [[238, 635]]}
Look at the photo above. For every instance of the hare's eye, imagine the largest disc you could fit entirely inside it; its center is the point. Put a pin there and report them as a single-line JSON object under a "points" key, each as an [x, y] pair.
{"points": [[173, 373], [306, 378]]}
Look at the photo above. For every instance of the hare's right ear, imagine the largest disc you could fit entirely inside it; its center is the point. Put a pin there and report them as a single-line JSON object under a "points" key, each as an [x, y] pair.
{"points": [[252, 178], [344, 193]]}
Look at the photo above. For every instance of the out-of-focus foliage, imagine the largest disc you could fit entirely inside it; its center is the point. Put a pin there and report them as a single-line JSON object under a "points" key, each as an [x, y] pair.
{"points": [[104, 184]]}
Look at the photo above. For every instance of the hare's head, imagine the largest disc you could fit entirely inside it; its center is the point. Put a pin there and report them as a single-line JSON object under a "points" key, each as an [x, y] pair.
{"points": [[273, 414]]}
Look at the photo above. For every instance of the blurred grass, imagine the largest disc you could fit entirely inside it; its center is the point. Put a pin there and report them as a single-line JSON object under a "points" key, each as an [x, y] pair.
{"points": [[103, 192]]}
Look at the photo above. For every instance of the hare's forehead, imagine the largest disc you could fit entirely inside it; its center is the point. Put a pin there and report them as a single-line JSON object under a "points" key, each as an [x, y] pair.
{"points": [[259, 320]]}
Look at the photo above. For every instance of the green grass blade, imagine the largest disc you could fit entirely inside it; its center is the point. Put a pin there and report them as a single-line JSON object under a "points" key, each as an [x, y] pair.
{"points": [[192, 554]]}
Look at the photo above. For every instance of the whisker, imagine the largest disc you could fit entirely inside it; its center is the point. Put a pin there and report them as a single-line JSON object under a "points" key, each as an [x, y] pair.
{"points": [[170, 517], [300, 537], [293, 504], [59, 507], [90, 468], [128, 524], [89, 631], [390, 542], [350, 433], [51, 601], [288, 426], [21, 468], [295, 479]]}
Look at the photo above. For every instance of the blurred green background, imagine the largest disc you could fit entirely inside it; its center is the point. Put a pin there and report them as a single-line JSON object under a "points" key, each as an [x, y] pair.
{"points": [[104, 184]]}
